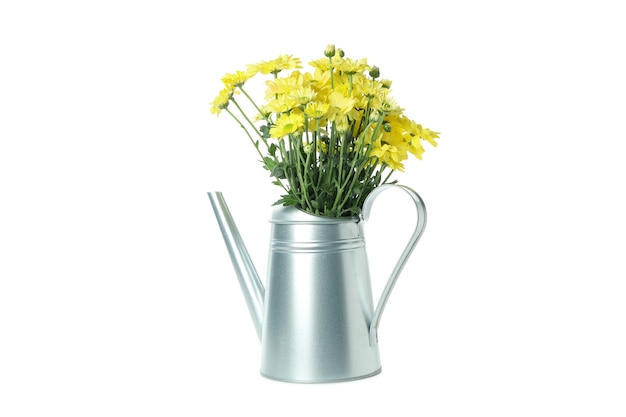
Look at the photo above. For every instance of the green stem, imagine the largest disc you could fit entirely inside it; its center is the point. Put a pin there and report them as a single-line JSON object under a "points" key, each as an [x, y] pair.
{"points": [[300, 168], [352, 181], [248, 120], [308, 172], [388, 175], [256, 145], [317, 149], [342, 154], [284, 157], [350, 79], [309, 180], [292, 166], [264, 116], [373, 182], [330, 68]]}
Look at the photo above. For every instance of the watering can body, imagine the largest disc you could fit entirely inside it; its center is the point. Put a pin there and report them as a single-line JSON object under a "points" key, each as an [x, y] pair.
{"points": [[318, 303], [315, 316]]}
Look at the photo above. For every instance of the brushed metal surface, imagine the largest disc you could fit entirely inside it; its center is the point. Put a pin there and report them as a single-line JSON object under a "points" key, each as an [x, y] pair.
{"points": [[316, 315]]}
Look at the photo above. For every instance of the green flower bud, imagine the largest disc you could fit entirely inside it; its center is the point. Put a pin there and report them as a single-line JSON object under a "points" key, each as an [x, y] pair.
{"points": [[374, 116], [329, 51], [375, 72]]}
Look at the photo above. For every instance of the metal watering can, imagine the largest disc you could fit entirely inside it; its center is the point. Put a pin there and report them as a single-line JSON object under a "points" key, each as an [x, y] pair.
{"points": [[315, 319]]}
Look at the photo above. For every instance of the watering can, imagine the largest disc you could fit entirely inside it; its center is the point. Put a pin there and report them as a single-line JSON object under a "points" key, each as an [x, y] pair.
{"points": [[315, 316]]}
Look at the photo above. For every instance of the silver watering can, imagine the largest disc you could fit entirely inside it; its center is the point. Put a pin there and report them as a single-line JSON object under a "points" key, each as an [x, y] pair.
{"points": [[316, 320]]}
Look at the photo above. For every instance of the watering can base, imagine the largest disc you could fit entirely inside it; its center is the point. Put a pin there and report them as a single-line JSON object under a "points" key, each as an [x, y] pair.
{"points": [[322, 380]]}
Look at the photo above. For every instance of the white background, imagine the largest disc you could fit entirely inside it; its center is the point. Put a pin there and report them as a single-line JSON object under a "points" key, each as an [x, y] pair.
{"points": [[117, 297]]}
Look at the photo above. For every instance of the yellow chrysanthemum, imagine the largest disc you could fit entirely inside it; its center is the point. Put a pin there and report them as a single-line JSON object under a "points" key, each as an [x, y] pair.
{"points": [[391, 147], [417, 134], [416, 148], [281, 104], [342, 85], [340, 104], [386, 104], [367, 88], [287, 124], [351, 66], [429, 135], [316, 125], [302, 95], [236, 79], [400, 126], [316, 109], [324, 63], [342, 124], [283, 62], [221, 101], [386, 84], [285, 85], [339, 108], [320, 80], [389, 155]]}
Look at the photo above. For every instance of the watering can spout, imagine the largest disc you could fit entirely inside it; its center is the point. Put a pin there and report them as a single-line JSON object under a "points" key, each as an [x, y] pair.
{"points": [[251, 285]]}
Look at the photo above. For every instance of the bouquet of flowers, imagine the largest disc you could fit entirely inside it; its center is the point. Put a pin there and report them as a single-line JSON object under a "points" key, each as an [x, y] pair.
{"points": [[329, 136]]}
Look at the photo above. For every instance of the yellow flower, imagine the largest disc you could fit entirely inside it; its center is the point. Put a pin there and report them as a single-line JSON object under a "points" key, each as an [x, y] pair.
{"points": [[340, 104], [340, 111], [350, 66], [342, 84], [368, 88], [302, 95], [324, 63], [391, 149], [364, 90], [235, 80], [386, 83], [389, 155], [387, 105], [221, 101], [283, 62], [285, 85], [416, 148], [287, 124], [281, 104], [316, 109], [391, 145], [417, 133], [400, 125], [342, 124], [429, 135], [320, 64], [320, 79]]}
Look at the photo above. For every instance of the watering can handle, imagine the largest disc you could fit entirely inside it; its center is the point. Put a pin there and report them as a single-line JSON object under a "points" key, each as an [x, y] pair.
{"points": [[417, 233]]}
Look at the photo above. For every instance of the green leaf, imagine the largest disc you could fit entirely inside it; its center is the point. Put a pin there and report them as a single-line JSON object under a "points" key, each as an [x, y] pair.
{"points": [[287, 200], [265, 131], [270, 163], [278, 171]]}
